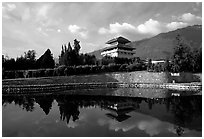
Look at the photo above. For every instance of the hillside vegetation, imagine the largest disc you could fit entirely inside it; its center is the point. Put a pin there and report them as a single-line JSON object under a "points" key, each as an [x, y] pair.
{"points": [[161, 46]]}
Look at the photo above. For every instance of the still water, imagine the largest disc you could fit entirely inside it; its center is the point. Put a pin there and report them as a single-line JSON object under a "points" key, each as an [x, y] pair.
{"points": [[160, 113]]}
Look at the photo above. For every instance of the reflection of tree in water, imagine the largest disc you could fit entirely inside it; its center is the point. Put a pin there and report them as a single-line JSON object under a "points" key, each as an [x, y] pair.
{"points": [[28, 104], [69, 105], [25, 102], [152, 101], [45, 103], [182, 110], [67, 110], [7, 100], [185, 110]]}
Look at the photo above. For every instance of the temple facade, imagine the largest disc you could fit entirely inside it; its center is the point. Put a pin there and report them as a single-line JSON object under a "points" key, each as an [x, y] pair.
{"points": [[118, 47]]}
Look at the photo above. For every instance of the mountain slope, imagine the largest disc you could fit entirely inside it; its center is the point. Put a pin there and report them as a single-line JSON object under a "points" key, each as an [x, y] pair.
{"points": [[161, 46]]}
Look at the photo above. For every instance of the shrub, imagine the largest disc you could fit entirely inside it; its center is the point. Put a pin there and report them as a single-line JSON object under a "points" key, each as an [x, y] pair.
{"points": [[131, 67], [93, 69], [78, 70], [25, 73], [55, 73], [113, 67], [104, 68], [86, 69], [107, 60], [41, 72], [60, 70], [35, 73], [69, 70], [134, 67], [3, 73], [19, 74], [66, 72], [123, 67], [167, 66], [30, 73], [9, 74], [49, 72], [98, 69]]}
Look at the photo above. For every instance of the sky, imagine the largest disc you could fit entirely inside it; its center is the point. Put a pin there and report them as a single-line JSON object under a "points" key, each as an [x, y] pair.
{"points": [[42, 25]]}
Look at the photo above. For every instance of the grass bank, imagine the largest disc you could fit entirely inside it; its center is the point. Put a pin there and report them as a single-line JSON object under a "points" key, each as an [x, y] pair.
{"points": [[140, 79], [125, 77]]}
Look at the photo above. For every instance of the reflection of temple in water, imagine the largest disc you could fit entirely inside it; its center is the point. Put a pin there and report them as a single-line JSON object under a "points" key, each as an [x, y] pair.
{"points": [[119, 111]]}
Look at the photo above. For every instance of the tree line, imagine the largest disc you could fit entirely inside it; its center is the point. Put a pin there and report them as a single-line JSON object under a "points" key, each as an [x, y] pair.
{"points": [[184, 59], [70, 56], [29, 61]]}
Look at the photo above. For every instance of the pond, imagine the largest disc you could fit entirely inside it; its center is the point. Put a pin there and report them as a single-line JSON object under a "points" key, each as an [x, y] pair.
{"points": [[103, 112]]}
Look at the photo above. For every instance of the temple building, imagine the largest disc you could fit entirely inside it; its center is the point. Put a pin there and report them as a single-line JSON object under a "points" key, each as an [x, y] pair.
{"points": [[118, 47]]}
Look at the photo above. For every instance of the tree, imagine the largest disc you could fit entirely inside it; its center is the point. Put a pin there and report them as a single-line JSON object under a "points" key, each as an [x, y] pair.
{"points": [[182, 57], [85, 59], [76, 46], [69, 49], [61, 57], [30, 59], [46, 60], [167, 66], [69, 56], [9, 64], [149, 64], [31, 54], [21, 63], [197, 60]]}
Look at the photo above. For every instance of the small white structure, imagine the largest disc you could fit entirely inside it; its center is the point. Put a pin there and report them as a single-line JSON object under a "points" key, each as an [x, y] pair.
{"points": [[158, 61], [118, 47]]}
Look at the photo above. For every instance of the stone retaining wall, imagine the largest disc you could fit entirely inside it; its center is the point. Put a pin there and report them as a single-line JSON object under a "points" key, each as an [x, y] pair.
{"points": [[140, 77], [155, 77], [9, 89]]}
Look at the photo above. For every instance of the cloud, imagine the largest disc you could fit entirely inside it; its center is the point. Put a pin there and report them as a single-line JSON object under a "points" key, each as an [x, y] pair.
{"points": [[157, 15], [197, 6], [41, 14], [6, 9], [81, 31], [11, 7], [43, 10], [103, 30], [188, 17], [118, 28], [40, 30], [176, 25], [150, 125], [198, 3], [150, 27], [26, 14]]}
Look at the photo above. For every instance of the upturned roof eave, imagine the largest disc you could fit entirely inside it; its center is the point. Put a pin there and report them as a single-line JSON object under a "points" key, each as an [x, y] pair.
{"points": [[118, 39]]}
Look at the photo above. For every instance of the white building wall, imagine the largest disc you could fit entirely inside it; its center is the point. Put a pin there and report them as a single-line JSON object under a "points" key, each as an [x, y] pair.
{"points": [[118, 53], [111, 53]]}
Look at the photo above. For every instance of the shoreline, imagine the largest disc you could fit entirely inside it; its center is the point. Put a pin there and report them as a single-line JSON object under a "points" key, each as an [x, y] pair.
{"points": [[139, 79], [21, 89]]}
